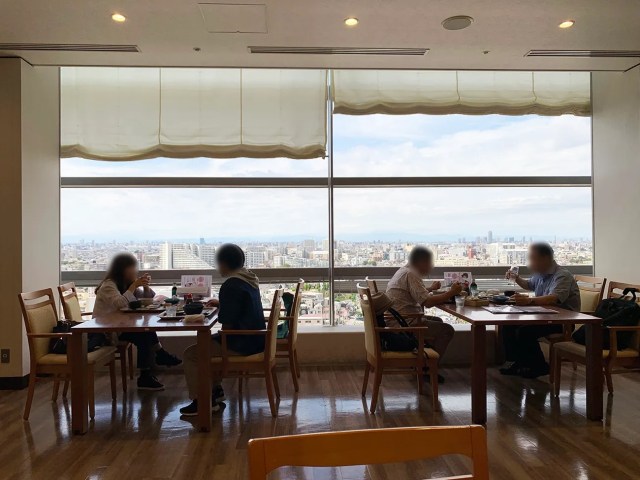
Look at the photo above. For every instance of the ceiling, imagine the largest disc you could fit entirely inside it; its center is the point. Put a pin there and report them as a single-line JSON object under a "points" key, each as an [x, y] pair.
{"points": [[167, 31]]}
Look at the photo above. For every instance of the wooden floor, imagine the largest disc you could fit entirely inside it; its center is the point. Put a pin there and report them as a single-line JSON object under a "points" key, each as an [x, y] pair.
{"points": [[143, 437]]}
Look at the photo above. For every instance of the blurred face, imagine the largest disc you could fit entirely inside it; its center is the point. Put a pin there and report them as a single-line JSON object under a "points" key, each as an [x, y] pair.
{"points": [[539, 263], [424, 267], [131, 273], [223, 269]]}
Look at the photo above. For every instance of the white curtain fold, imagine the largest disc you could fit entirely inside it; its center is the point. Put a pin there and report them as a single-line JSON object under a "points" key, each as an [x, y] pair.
{"points": [[138, 113], [400, 92]]}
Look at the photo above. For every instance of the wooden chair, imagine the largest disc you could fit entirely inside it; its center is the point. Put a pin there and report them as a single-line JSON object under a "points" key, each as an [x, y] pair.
{"points": [[39, 319], [627, 358], [72, 311], [591, 293], [287, 347], [372, 284], [380, 362], [370, 447], [261, 365]]}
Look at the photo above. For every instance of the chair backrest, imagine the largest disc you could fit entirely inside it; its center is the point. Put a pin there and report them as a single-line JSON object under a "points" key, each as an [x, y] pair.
{"points": [[615, 290], [40, 316], [272, 326], [70, 303], [370, 447], [591, 292], [295, 311], [372, 284], [371, 345]]}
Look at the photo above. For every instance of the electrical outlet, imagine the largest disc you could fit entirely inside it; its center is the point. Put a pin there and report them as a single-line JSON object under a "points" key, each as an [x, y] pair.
{"points": [[5, 355]]}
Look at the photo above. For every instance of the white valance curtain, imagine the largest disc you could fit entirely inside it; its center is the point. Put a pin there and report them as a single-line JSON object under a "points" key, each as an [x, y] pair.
{"points": [[137, 113], [361, 92]]}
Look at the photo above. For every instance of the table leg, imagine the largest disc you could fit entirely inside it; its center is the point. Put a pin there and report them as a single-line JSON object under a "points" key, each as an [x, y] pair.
{"points": [[77, 358], [479, 375], [594, 371], [204, 380]]}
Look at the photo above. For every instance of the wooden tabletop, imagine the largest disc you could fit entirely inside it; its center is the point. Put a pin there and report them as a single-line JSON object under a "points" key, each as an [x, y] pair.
{"points": [[141, 322], [480, 316]]}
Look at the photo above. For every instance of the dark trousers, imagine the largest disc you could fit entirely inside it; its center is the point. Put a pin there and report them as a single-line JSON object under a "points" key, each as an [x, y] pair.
{"points": [[521, 343], [146, 343]]}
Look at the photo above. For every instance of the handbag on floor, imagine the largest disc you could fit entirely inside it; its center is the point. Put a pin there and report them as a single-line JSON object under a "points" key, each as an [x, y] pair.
{"points": [[615, 312]]}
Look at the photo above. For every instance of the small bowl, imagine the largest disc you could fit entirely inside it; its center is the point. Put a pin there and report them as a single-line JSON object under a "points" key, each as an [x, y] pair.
{"points": [[500, 299], [193, 308], [510, 293], [146, 301], [172, 301], [135, 304]]}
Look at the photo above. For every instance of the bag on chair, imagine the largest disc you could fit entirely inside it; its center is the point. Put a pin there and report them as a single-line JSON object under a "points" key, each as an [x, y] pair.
{"points": [[59, 345], [615, 312], [392, 341]]}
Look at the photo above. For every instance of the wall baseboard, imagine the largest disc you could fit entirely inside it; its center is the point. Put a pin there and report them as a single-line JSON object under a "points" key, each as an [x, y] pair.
{"points": [[14, 383]]}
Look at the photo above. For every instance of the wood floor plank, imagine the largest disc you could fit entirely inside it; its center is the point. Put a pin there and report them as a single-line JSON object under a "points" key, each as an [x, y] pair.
{"points": [[532, 435]]}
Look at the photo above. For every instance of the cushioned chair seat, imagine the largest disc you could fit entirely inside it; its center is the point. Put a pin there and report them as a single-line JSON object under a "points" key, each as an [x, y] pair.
{"points": [[257, 357], [92, 358], [577, 349], [431, 353]]}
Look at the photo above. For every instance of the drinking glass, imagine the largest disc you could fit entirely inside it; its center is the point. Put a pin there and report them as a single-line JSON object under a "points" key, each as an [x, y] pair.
{"points": [[459, 301]]}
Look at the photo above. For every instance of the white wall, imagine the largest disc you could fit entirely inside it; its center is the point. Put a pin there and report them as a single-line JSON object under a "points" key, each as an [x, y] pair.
{"points": [[29, 196], [616, 174]]}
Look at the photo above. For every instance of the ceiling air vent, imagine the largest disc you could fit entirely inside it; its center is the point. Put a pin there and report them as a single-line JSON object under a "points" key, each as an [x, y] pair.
{"points": [[585, 53], [340, 51], [70, 47]]}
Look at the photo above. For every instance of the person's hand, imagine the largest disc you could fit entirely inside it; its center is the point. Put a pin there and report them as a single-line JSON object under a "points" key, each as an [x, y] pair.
{"points": [[455, 288], [522, 300], [435, 286], [214, 302], [510, 275]]}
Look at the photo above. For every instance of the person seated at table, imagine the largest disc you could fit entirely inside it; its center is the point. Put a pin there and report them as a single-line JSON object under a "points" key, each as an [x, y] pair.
{"points": [[552, 285], [239, 308], [121, 285], [411, 296]]}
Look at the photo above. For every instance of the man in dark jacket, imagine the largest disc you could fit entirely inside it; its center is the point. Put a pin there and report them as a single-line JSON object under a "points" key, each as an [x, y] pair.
{"points": [[240, 308]]}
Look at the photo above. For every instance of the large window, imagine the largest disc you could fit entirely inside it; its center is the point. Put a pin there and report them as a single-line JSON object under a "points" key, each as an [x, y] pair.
{"points": [[476, 188]]}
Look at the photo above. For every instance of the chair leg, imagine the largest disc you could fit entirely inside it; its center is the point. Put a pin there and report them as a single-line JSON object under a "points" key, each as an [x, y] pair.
{"points": [[365, 384], [433, 374], [32, 388], [56, 389], [270, 392], [123, 367], [552, 355], [295, 357], [276, 385], [556, 366], [377, 380], [92, 396], [112, 375], [65, 389], [294, 372], [607, 375], [130, 357]]}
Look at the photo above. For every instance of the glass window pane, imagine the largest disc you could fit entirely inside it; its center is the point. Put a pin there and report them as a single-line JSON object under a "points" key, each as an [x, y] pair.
{"points": [[477, 226], [179, 228], [461, 145], [195, 167]]}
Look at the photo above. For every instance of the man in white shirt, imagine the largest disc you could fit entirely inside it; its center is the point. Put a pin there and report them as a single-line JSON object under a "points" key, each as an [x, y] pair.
{"points": [[411, 296]]}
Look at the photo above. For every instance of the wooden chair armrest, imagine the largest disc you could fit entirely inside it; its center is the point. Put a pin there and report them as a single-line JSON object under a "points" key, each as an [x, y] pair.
{"points": [[405, 315], [243, 332], [49, 335], [402, 329]]}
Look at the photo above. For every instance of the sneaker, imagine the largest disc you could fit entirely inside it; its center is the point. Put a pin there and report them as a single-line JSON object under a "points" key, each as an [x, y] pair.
{"points": [[191, 410], [164, 358], [531, 373], [149, 382], [218, 394], [511, 369]]}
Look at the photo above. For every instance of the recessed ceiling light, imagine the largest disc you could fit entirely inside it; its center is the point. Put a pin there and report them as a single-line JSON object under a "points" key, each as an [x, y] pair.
{"points": [[457, 23], [567, 24], [351, 21], [118, 17]]}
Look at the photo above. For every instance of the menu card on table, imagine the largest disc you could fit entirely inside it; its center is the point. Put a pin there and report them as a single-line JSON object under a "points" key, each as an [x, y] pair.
{"points": [[507, 309]]}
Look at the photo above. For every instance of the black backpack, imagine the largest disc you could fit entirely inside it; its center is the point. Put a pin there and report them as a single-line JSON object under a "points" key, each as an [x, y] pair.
{"points": [[615, 312], [400, 341]]}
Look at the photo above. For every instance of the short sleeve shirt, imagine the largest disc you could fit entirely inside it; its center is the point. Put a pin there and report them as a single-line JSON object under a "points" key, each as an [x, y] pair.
{"points": [[407, 291], [558, 281]]}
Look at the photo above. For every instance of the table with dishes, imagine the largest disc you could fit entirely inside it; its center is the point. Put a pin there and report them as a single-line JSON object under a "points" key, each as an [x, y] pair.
{"points": [[478, 313], [141, 318]]}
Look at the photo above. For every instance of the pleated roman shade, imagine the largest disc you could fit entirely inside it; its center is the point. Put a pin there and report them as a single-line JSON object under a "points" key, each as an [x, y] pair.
{"points": [[361, 92], [138, 113]]}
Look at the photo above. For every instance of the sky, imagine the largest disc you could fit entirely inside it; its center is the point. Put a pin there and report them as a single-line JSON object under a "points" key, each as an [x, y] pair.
{"points": [[372, 145]]}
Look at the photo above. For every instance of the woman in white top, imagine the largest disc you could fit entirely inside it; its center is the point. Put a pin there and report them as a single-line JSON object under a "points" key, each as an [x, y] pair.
{"points": [[122, 285]]}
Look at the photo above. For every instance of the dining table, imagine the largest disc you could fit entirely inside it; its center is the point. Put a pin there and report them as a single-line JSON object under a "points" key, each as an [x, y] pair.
{"points": [[137, 321], [480, 319]]}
